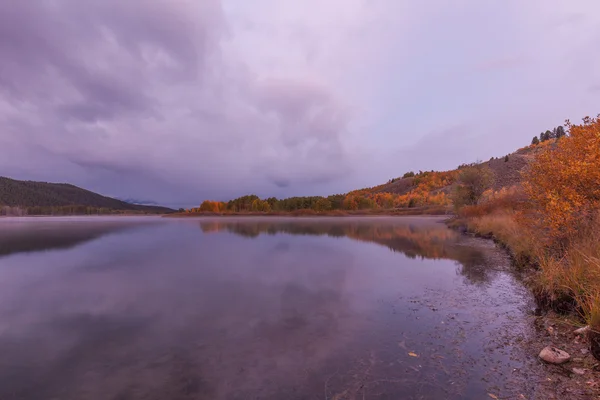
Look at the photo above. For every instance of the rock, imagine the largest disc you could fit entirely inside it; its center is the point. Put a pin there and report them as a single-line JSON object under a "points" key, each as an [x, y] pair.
{"points": [[581, 331], [594, 338], [552, 355], [578, 371], [584, 351]]}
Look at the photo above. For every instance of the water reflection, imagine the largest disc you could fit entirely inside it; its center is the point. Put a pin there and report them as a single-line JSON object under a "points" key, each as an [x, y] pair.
{"points": [[177, 312], [23, 236], [413, 237]]}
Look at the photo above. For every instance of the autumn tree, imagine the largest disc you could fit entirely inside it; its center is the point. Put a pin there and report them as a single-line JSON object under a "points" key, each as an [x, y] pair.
{"points": [[273, 203], [243, 203], [260, 206], [350, 202], [322, 205], [336, 201], [563, 182], [473, 181], [212, 206]]}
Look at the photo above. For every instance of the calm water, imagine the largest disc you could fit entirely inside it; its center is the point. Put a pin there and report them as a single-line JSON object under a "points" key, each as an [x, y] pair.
{"points": [[346, 308]]}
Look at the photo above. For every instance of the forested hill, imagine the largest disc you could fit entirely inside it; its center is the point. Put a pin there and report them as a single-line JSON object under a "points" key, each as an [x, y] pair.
{"points": [[61, 198]]}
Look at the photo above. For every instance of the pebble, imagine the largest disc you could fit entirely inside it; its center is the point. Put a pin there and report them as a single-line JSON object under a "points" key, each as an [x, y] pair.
{"points": [[581, 331], [552, 355], [578, 371]]}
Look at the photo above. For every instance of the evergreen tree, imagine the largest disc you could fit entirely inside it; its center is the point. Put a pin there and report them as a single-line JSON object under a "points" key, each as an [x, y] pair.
{"points": [[546, 136]]}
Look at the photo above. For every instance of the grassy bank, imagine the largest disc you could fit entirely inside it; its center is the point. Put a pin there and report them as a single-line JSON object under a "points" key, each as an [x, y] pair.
{"points": [[551, 223], [565, 279]]}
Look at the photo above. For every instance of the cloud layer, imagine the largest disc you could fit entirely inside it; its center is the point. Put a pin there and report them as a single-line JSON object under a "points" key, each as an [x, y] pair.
{"points": [[179, 101]]}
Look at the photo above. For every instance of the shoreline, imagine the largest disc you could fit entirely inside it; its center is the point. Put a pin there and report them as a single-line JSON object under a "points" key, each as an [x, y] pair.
{"points": [[579, 378], [417, 211]]}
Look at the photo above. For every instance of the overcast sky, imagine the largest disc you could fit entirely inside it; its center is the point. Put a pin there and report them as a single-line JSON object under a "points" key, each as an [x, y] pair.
{"points": [[177, 101]]}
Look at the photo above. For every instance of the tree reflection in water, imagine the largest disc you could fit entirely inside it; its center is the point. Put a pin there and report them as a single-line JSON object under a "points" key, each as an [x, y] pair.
{"points": [[415, 237]]}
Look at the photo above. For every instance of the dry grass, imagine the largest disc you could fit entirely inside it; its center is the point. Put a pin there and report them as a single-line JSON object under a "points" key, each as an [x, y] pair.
{"points": [[567, 279], [504, 227], [581, 272]]}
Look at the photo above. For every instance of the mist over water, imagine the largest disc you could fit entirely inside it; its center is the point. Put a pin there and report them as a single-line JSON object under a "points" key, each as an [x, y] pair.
{"points": [[255, 308]]}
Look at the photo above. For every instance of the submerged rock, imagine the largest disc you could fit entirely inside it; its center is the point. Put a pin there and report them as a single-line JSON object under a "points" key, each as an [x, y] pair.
{"points": [[552, 355]]}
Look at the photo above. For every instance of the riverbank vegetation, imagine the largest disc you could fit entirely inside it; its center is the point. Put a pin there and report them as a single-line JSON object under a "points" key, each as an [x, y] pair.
{"points": [[550, 221], [425, 191]]}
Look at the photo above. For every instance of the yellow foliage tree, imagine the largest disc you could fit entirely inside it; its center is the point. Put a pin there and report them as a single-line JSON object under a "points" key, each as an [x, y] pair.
{"points": [[260, 206], [563, 181]]}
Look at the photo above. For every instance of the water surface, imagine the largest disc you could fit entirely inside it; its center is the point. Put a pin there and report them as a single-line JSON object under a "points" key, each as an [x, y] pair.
{"points": [[256, 308]]}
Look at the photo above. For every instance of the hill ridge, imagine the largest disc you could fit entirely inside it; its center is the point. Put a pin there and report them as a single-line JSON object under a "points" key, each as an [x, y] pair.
{"points": [[39, 196]]}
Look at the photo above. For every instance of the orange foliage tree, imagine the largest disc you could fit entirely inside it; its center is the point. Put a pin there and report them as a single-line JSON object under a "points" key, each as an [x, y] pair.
{"points": [[563, 181], [212, 206]]}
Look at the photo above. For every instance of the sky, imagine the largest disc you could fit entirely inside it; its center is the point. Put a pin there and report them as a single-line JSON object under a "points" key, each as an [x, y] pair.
{"points": [[176, 101]]}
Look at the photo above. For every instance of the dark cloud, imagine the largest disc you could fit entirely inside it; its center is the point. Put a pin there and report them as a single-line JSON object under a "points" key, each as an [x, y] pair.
{"points": [[145, 90], [282, 183], [191, 99]]}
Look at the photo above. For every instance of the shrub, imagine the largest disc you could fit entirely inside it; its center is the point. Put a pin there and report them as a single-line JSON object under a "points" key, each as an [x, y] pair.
{"points": [[563, 181], [473, 181]]}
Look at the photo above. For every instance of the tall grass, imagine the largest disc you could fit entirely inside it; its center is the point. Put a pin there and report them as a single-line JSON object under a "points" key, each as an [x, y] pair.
{"points": [[503, 226], [567, 277]]}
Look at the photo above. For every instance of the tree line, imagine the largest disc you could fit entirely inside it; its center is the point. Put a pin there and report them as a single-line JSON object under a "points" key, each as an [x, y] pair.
{"points": [[555, 133], [426, 189], [19, 211]]}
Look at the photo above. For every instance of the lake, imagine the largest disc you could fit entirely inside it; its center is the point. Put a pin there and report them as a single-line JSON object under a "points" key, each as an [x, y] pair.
{"points": [[257, 308]]}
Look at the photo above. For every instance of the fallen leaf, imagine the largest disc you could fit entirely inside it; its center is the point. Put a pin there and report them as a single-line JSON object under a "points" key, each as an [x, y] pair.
{"points": [[413, 354], [493, 396]]}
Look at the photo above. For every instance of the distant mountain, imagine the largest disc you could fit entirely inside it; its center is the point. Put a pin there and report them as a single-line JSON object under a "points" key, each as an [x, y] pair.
{"points": [[138, 201], [43, 195]]}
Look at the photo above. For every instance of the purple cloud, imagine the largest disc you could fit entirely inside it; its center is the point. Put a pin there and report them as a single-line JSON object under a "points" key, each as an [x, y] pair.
{"points": [[180, 101]]}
